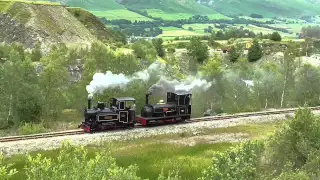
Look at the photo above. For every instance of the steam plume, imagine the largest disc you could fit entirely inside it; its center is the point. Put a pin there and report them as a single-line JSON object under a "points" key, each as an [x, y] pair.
{"points": [[186, 86], [103, 81]]}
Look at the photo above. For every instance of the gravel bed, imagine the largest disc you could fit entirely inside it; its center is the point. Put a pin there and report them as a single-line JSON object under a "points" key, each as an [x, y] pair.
{"points": [[22, 147]]}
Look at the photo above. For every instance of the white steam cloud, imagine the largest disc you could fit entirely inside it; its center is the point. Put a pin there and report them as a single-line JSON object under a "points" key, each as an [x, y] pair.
{"points": [[186, 85], [102, 81]]}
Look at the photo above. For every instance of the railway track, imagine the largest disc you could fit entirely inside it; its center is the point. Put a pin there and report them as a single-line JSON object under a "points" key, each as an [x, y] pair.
{"points": [[42, 135], [194, 120]]}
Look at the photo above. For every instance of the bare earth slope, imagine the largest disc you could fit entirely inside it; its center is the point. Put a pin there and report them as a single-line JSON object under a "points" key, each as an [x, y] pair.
{"points": [[48, 24]]}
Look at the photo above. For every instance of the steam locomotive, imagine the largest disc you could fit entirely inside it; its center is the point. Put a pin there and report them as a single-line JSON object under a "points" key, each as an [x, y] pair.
{"points": [[177, 108], [121, 112]]}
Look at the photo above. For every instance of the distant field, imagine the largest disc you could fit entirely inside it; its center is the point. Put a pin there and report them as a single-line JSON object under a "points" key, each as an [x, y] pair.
{"points": [[176, 15], [256, 19], [120, 14], [295, 28], [199, 28], [266, 8], [172, 32]]}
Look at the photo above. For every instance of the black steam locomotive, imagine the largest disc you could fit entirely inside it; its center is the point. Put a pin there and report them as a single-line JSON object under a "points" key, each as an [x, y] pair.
{"points": [[121, 113], [177, 108]]}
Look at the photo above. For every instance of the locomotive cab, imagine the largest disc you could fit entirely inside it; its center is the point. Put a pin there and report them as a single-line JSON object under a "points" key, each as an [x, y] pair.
{"points": [[125, 108]]}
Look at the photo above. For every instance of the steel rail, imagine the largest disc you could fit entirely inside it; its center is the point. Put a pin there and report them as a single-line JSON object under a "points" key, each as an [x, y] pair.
{"points": [[42, 135], [193, 120]]}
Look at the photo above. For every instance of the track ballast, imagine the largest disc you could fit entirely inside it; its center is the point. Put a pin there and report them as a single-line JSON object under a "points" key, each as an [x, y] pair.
{"points": [[194, 120]]}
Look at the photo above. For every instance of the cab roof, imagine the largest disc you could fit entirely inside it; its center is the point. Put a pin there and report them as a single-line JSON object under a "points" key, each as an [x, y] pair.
{"points": [[125, 99]]}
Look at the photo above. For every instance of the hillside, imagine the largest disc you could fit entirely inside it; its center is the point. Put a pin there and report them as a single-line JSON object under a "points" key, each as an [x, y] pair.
{"points": [[131, 9], [49, 24], [267, 8], [165, 8], [109, 9]]}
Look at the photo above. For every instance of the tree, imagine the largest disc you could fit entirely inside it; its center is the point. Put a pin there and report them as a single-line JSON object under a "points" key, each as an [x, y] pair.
{"points": [[158, 44], [234, 54], [308, 85], [54, 81], [307, 46], [198, 50], [36, 53], [275, 36], [20, 92], [255, 52], [144, 50]]}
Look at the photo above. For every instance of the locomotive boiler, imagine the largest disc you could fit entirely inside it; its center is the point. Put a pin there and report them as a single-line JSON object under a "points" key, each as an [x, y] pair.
{"points": [[177, 108], [121, 113]]}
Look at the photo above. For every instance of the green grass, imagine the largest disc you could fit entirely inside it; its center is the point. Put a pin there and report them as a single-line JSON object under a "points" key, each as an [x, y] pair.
{"points": [[120, 14], [199, 28], [153, 153], [267, 8], [179, 15], [69, 119], [172, 9], [172, 32], [35, 2]]}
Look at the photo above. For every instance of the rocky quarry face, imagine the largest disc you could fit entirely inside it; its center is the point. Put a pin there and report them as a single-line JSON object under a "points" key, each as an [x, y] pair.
{"points": [[75, 70], [13, 31], [48, 25]]}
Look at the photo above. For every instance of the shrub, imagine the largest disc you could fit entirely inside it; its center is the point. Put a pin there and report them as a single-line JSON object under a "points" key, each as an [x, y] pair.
{"points": [[241, 162], [5, 173], [296, 145], [275, 36], [30, 128], [73, 163]]}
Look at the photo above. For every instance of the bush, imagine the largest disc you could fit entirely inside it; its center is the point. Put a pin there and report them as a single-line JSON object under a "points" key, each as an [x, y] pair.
{"points": [[5, 173], [241, 162], [296, 145], [30, 128], [275, 36], [74, 163]]}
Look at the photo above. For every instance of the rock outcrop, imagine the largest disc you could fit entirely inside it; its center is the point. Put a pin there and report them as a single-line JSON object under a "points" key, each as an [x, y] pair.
{"points": [[28, 23]]}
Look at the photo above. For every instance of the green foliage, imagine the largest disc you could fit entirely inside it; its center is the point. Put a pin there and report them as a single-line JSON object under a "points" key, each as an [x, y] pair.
{"points": [[293, 176], [6, 173], [234, 54], [310, 32], [255, 52], [198, 50], [36, 53], [74, 163], [241, 162], [308, 85], [214, 44], [53, 80], [144, 50], [292, 146], [275, 36], [157, 43], [29, 128]]}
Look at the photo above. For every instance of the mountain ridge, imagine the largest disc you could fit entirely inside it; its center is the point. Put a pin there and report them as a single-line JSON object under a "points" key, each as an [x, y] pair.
{"points": [[213, 8]]}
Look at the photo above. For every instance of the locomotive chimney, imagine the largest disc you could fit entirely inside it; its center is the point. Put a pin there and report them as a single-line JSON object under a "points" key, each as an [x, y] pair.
{"points": [[147, 98], [89, 101]]}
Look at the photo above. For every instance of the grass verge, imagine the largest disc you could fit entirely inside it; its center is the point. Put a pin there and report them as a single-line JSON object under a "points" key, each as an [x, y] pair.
{"points": [[154, 153]]}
